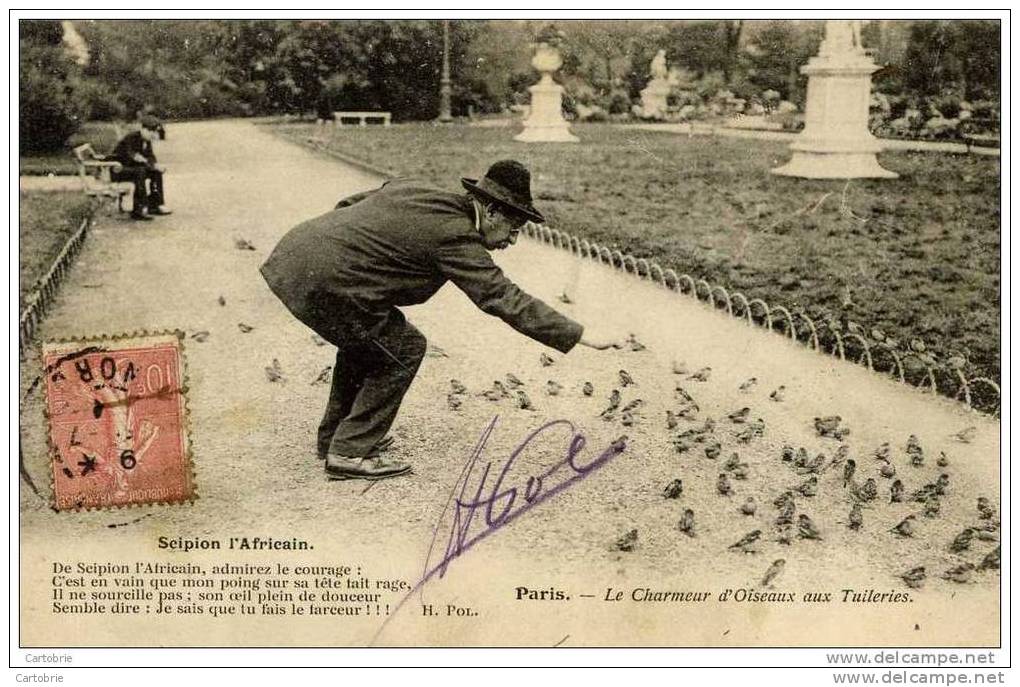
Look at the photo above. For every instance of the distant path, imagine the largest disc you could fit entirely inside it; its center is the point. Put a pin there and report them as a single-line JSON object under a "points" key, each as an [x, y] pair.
{"points": [[253, 440], [887, 143]]}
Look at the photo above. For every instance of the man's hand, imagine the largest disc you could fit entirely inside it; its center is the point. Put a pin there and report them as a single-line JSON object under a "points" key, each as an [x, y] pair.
{"points": [[159, 168], [600, 340]]}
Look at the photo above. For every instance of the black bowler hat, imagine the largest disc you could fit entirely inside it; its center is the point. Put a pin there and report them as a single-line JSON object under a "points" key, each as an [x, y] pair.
{"points": [[508, 183]]}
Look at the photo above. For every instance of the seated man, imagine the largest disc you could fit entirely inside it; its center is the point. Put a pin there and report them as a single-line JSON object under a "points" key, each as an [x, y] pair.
{"points": [[138, 165]]}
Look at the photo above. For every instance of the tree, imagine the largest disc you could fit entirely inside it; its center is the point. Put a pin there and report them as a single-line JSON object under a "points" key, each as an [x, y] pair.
{"points": [[47, 109]]}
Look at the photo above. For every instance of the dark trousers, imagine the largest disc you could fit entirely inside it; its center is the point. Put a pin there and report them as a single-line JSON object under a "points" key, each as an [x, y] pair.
{"points": [[371, 376], [148, 186]]}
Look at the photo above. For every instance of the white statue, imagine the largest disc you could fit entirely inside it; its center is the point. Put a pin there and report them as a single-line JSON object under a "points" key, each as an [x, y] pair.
{"points": [[659, 70], [842, 37]]}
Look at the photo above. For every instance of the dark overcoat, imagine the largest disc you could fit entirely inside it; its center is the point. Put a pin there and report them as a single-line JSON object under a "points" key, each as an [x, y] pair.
{"points": [[397, 246]]}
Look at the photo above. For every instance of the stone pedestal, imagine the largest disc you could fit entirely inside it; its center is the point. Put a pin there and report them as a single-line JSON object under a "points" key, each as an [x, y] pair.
{"points": [[836, 143], [545, 123], [654, 98]]}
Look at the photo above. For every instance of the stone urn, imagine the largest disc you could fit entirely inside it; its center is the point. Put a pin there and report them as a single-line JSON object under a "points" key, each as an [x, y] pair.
{"points": [[546, 122]]}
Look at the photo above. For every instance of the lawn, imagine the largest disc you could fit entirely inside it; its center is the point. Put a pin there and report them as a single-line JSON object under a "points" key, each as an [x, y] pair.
{"points": [[45, 221], [917, 257]]}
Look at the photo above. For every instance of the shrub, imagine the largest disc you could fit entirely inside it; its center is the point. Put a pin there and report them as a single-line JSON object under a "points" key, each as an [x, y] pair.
{"points": [[48, 111]]}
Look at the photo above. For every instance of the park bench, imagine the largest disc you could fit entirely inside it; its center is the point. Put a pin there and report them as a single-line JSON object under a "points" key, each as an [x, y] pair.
{"points": [[362, 117], [94, 170], [983, 133]]}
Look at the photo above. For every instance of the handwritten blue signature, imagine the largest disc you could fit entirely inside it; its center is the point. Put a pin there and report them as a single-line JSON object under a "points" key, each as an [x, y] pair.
{"points": [[501, 504]]}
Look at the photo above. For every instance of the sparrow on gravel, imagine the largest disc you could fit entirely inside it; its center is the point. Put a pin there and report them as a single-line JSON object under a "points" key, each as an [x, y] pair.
{"points": [[778, 395], [242, 244], [781, 500], [671, 420], [747, 543], [674, 489], [915, 451], [914, 577], [840, 456], [686, 523], [627, 542], [682, 444], [785, 517], [588, 389], [222, 301], [553, 388], [492, 395], [887, 470], [274, 373], [784, 534], [739, 416], [619, 443], [896, 492], [546, 360], [633, 405], [809, 487], [732, 462], [905, 528], [499, 388], [829, 427], [815, 465], [883, 452], [324, 377], [712, 450], [564, 298], [867, 491], [749, 506], [966, 435], [985, 509], [679, 367], [523, 402], [453, 401], [627, 419], [806, 529], [512, 381], [800, 458], [943, 460], [456, 387], [245, 328], [614, 403], [962, 541], [856, 520], [201, 336], [722, 484], [932, 506], [773, 572], [754, 429], [687, 411], [748, 384], [960, 574], [635, 345], [941, 484], [684, 396], [991, 561], [318, 340], [701, 375], [787, 454], [431, 350], [625, 378]]}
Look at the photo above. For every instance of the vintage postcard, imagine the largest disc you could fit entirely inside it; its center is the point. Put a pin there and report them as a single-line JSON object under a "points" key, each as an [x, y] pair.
{"points": [[510, 333]]}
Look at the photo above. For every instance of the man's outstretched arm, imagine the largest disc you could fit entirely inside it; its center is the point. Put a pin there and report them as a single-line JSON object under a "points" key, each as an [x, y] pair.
{"points": [[468, 265]]}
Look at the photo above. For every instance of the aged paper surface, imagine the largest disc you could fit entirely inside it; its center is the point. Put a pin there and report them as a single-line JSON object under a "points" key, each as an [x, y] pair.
{"points": [[273, 554]]}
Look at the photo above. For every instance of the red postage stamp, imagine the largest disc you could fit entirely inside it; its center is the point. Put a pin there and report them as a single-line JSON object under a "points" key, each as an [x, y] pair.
{"points": [[118, 423]]}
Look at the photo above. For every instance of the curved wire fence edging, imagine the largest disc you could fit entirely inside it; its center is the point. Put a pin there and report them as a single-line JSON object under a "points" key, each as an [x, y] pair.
{"points": [[774, 318], [41, 297]]}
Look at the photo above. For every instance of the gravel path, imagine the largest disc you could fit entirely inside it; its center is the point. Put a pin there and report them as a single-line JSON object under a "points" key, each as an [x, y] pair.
{"points": [[253, 440]]}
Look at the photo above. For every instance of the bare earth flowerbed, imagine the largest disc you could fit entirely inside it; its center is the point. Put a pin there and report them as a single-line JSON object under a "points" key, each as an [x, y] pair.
{"points": [[46, 220], [917, 257]]}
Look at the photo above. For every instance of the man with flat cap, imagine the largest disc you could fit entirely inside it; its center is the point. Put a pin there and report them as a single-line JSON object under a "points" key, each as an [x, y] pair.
{"points": [[138, 165], [346, 273]]}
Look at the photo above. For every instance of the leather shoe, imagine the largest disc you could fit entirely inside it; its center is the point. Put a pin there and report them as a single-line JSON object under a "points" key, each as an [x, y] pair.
{"points": [[160, 211], [343, 467], [140, 217]]}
